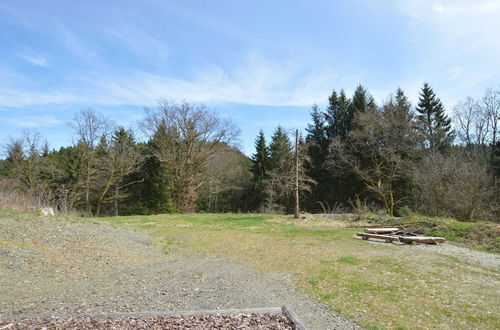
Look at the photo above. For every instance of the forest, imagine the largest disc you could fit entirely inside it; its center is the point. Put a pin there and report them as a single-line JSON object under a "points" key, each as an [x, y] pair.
{"points": [[394, 158]]}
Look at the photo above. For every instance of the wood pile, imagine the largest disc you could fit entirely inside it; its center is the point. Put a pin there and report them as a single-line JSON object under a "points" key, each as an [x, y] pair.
{"points": [[395, 235]]}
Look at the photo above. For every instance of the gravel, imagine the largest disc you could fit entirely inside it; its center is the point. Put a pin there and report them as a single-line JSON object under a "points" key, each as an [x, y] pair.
{"points": [[232, 321], [483, 259], [57, 267]]}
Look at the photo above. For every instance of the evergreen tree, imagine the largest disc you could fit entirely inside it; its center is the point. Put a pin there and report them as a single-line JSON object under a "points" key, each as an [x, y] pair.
{"points": [[433, 122], [260, 168], [398, 112], [317, 144], [338, 116], [316, 134], [260, 159], [279, 184], [361, 100], [15, 158], [281, 150]]}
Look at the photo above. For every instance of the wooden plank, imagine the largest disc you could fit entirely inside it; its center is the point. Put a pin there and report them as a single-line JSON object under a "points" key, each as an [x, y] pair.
{"points": [[381, 230], [423, 239], [293, 317], [387, 238]]}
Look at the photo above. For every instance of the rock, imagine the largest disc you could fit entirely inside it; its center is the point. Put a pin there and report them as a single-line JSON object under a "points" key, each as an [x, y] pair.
{"points": [[47, 211]]}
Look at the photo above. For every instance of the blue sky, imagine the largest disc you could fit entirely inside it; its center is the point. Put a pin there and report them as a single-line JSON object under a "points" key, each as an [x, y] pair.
{"points": [[262, 63]]}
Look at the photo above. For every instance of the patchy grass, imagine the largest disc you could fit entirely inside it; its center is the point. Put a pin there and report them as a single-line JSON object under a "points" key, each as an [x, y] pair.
{"points": [[349, 260], [379, 285]]}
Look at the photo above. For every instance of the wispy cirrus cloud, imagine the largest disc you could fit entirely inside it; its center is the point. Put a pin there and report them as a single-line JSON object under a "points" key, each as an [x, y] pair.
{"points": [[255, 81], [31, 121], [17, 98], [34, 59]]}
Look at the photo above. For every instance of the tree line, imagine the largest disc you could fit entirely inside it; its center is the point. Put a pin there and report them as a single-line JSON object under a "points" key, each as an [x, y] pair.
{"points": [[393, 156], [354, 154]]}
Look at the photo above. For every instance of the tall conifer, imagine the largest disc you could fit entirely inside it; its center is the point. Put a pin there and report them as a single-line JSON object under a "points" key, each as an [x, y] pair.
{"points": [[433, 122]]}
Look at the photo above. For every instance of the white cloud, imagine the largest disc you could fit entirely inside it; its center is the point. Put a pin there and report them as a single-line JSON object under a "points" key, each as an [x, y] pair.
{"points": [[255, 81], [75, 44], [21, 98], [32, 121], [140, 42], [35, 60]]}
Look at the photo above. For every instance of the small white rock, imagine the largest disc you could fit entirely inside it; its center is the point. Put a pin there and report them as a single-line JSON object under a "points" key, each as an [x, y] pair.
{"points": [[47, 211]]}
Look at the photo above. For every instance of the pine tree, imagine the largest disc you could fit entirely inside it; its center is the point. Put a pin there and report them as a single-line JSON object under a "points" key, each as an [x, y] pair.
{"points": [[317, 151], [260, 159], [316, 137], [398, 113], [433, 122], [281, 150], [279, 184], [361, 100], [316, 130], [338, 116], [260, 168]]}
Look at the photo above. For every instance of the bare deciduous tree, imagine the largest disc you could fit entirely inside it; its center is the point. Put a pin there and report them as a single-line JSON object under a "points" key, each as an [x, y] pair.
{"points": [[477, 122], [454, 186], [490, 106], [469, 124], [184, 137], [89, 127]]}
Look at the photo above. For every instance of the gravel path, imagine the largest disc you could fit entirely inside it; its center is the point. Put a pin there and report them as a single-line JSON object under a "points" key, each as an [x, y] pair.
{"points": [[483, 259], [59, 267]]}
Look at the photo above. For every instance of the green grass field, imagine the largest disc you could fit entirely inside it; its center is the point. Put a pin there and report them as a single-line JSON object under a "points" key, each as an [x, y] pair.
{"points": [[378, 285]]}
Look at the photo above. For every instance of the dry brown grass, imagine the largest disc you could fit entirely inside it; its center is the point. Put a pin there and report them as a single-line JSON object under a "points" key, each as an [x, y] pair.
{"points": [[12, 198]]}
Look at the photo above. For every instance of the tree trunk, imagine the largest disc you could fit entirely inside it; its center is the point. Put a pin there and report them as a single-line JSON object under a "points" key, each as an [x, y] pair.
{"points": [[115, 202], [297, 207]]}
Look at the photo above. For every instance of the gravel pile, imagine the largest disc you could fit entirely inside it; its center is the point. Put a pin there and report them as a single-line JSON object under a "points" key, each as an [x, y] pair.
{"points": [[57, 267], [233, 321]]}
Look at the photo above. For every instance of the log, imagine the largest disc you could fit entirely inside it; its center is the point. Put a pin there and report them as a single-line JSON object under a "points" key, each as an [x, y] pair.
{"points": [[380, 230], [386, 238], [422, 239]]}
